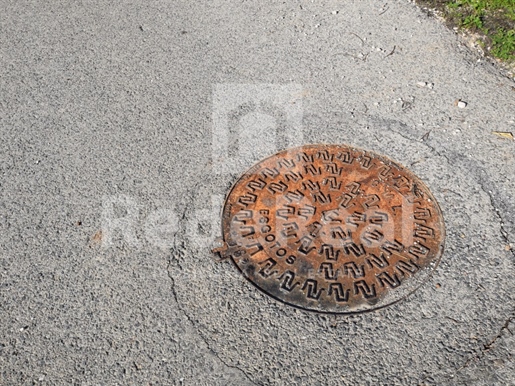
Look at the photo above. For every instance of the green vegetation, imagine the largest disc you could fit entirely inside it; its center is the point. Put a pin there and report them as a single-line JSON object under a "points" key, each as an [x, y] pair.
{"points": [[493, 20], [504, 44]]}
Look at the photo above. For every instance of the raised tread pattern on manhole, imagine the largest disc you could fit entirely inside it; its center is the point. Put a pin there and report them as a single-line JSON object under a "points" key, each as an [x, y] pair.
{"points": [[331, 228]]}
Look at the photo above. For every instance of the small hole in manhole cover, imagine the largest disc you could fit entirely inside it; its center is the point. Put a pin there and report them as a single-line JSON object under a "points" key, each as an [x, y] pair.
{"points": [[330, 228]]}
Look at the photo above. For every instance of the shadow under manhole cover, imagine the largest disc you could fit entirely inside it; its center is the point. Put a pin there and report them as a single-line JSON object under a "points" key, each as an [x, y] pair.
{"points": [[331, 228]]}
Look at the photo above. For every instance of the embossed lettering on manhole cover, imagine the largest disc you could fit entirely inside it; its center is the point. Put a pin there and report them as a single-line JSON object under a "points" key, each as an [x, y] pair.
{"points": [[330, 228]]}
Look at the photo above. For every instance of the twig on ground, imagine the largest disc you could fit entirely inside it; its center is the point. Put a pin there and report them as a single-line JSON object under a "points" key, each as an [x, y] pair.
{"points": [[362, 41], [391, 53]]}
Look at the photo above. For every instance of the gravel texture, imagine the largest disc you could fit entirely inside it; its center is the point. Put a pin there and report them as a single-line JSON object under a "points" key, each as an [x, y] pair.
{"points": [[140, 115]]}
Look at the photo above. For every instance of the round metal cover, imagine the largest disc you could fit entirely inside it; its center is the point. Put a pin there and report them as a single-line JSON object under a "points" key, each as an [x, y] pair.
{"points": [[331, 228]]}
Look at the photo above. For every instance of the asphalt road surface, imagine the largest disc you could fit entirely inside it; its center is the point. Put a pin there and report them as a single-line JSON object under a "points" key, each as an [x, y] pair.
{"points": [[123, 126]]}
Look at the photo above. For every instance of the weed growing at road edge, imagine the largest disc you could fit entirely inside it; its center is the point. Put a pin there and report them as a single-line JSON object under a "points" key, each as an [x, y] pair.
{"points": [[493, 20]]}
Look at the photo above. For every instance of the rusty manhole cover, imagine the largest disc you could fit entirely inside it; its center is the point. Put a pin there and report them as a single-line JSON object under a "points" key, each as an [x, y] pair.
{"points": [[331, 228]]}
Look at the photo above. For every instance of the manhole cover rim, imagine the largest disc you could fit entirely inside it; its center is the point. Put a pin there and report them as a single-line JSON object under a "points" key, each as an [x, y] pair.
{"points": [[420, 279]]}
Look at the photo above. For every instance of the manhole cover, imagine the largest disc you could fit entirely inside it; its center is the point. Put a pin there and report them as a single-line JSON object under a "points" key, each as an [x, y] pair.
{"points": [[331, 228]]}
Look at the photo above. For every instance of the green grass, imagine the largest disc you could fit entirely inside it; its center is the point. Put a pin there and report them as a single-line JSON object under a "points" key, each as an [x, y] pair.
{"points": [[492, 20], [504, 44]]}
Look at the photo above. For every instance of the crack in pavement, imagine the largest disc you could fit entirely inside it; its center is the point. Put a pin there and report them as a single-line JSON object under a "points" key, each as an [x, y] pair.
{"points": [[202, 337], [504, 236], [504, 232], [478, 356], [176, 248], [487, 347], [433, 149], [423, 142]]}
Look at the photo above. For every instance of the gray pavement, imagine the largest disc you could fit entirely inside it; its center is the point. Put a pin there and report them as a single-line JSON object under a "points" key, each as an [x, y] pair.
{"points": [[124, 124]]}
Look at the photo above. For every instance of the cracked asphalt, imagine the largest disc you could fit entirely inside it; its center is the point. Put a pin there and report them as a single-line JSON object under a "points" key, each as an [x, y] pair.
{"points": [[124, 125]]}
